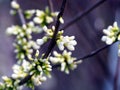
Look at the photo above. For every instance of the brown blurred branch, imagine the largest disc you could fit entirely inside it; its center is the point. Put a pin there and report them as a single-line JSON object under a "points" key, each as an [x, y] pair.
{"points": [[80, 16], [93, 52], [53, 40], [21, 16], [51, 5]]}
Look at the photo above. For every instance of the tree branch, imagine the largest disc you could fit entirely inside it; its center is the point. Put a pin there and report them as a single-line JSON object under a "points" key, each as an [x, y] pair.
{"points": [[21, 16], [94, 52], [80, 16], [91, 54], [53, 40]]}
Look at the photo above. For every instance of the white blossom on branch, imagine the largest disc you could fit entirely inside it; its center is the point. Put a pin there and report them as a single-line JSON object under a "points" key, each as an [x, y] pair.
{"points": [[65, 60]]}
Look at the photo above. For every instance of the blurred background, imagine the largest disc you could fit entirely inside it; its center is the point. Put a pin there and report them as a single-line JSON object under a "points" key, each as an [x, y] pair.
{"points": [[95, 73]]}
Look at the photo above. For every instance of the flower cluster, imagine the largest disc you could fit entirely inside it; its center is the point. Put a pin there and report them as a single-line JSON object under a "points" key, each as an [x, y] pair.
{"points": [[44, 17], [66, 41], [33, 69], [9, 84], [65, 60], [24, 44], [21, 71], [62, 41], [38, 69], [112, 33], [29, 13], [48, 35]]}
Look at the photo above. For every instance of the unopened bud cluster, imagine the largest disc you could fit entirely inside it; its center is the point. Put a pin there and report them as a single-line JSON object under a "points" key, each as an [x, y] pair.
{"points": [[65, 60], [112, 34], [24, 44]]}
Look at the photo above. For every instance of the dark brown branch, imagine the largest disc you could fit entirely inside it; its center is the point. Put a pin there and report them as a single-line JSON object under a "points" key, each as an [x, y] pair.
{"points": [[53, 40], [80, 16], [93, 52], [23, 81]]}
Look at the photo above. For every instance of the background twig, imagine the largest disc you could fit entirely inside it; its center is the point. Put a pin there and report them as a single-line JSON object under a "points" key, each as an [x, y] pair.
{"points": [[80, 16], [51, 5], [87, 56], [21, 16], [95, 52]]}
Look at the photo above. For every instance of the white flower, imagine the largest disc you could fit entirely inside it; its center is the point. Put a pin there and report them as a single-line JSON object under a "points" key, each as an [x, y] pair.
{"points": [[65, 59], [54, 14], [119, 37], [38, 20], [37, 53], [12, 30], [61, 20], [40, 13], [34, 45], [49, 19], [26, 66], [43, 17], [61, 45], [39, 17], [5, 78], [111, 34], [40, 41], [66, 41], [38, 79], [21, 71], [15, 5]]}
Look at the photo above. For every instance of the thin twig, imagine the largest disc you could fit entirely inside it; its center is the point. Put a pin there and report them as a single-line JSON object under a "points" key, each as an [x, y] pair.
{"points": [[53, 40], [80, 16], [91, 54], [94, 52], [51, 5], [21, 16]]}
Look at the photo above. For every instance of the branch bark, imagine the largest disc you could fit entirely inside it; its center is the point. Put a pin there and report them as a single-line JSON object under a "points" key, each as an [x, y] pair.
{"points": [[53, 40]]}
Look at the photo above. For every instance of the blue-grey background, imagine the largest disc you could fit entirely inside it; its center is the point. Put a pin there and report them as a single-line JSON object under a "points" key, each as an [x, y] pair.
{"points": [[95, 73]]}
